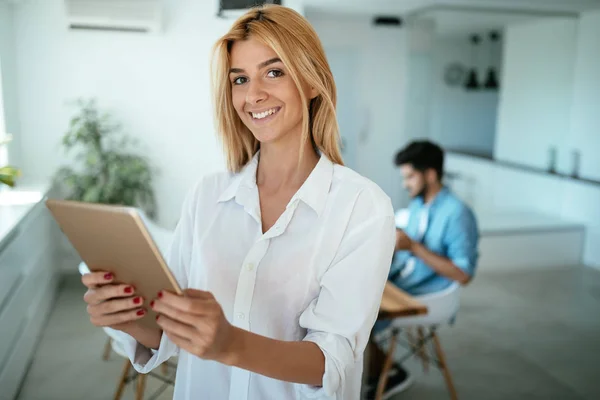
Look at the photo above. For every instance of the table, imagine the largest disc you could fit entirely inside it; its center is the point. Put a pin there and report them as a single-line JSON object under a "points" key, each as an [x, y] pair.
{"points": [[396, 303]]}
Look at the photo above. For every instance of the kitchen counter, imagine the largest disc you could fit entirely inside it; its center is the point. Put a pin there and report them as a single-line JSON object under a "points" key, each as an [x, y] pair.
{"points": [[28, 278], [16, 204]]}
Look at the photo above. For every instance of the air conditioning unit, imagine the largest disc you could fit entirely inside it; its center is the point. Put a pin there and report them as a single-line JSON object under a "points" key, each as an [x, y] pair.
{"points": [[115, 15], [236, 8]]}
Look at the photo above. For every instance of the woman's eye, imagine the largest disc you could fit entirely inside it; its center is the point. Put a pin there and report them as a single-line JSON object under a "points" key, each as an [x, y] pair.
{"points": [[274, 73], [239, 80]]}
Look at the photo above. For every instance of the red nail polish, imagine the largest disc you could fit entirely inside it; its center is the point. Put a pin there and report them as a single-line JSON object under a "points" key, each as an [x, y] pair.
{"points": [[157, 317], [160, 294], [140, 312], [128, 289], [137, 300], [108, 276], [152, 304]]}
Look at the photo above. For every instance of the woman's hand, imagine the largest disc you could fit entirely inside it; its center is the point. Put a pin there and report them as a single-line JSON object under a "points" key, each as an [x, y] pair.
{"points": [[111, 305], [195, 322]]}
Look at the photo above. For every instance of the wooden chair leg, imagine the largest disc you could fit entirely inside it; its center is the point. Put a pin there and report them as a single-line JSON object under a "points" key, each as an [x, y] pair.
{"points": [[422, 352], [408, 332], [107, 349], [444, 366], [386, 367], [140, 387], [123, 380]]}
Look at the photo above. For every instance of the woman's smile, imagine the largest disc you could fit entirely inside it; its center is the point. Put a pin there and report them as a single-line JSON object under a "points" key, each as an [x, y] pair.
{"points": [[264, 116]]}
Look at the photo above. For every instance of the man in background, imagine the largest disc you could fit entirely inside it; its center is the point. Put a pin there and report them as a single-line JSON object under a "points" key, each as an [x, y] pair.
{"points": [[436, 244]]}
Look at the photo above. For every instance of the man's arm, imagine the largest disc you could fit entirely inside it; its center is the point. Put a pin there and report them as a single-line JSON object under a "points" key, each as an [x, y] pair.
{"points": [[462, 238], [442, 265], [403, 242]]}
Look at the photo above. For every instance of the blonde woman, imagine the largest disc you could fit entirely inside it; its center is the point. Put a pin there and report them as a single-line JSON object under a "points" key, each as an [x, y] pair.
{"points": [[284, 257]]}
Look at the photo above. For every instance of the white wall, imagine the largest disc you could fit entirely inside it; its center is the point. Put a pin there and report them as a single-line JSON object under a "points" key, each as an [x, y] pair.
{"points": [[536, 97], [380, 86], [419, 78], [462, 119], [8, 71], [585, 117], [156, 85]]}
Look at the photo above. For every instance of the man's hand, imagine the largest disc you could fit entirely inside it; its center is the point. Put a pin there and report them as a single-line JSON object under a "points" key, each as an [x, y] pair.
{"points": [[403, 242]]}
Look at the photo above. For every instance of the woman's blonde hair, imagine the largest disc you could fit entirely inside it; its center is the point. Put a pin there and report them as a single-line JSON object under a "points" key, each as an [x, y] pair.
{"points": [[296, 43]]}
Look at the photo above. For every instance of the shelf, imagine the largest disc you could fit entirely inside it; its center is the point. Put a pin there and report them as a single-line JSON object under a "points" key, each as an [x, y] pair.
{"points": [[524, 168]]}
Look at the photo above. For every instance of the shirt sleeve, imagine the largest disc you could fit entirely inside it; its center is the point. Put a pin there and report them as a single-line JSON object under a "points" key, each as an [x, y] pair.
{"points": [[341, 318], [462, 237], [178, 259]]}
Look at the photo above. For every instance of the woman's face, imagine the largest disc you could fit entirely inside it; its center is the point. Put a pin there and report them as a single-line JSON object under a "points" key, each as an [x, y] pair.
{"points": [[263, 93]]}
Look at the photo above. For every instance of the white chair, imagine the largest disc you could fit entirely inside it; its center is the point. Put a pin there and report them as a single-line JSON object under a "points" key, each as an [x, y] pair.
{"points": [[442, 309], [162, 237]]}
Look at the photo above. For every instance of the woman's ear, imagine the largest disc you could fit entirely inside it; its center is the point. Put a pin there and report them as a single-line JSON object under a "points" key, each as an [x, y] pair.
{"points": [[309, 91]]}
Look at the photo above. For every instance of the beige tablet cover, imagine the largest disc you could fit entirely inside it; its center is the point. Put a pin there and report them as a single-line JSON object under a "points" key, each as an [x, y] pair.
{"points": [[114, 238]]}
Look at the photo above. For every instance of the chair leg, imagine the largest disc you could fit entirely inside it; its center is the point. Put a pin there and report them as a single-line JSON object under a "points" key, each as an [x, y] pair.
{"points": [[386, 367], [408, 332], [140, 387], [123, 380], [107, 349], [422, 350], [444, 366]]}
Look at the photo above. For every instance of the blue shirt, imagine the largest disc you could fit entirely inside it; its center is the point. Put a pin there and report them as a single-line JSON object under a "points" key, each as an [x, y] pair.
{"points": [[451, 232]]}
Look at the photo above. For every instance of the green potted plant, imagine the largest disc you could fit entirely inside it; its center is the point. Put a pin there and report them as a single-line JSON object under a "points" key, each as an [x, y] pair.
{"points": [[105, 171], [8, 174]]}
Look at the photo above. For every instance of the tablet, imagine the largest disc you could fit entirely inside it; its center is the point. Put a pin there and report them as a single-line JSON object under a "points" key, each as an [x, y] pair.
{"points": [[115, 239]]}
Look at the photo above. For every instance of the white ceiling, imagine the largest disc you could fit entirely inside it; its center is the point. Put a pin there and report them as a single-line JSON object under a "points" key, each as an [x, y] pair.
{"points": [[463, 23], [458, 17], [401, 7]]}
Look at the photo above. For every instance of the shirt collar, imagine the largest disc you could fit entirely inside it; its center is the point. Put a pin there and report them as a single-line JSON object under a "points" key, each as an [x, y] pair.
{"points": [[246, 177], [438, 197], [313, 191]]}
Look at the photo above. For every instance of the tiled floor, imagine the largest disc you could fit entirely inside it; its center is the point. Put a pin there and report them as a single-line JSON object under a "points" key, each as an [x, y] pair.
{"points": [[520, 335]]}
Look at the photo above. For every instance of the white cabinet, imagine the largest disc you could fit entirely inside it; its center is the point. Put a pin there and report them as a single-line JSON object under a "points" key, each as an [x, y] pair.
{"points": [[28, 283], [585, 115], [550, 95], [537, 89]]}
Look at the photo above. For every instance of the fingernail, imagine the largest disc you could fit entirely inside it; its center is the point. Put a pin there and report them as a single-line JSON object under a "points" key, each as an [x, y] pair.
{"points": [[140, 312], [108, 276], [137, 300], [128, 289], [152, 304], [160, 294], [157, 317]]}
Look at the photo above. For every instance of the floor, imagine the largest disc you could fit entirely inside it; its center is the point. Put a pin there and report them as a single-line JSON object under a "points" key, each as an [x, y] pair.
{"points": [[520, 335]]}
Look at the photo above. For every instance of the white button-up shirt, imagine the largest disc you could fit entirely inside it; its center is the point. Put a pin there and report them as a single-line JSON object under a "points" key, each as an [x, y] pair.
{"points": [[317, 275]]}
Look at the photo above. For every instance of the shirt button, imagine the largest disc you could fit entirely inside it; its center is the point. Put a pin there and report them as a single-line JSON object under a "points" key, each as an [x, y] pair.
{"points": [[241, 316], [250, 267]]}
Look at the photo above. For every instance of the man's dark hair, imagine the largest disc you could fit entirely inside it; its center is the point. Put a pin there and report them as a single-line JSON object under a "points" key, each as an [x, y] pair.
{"points": [[422, 155]]}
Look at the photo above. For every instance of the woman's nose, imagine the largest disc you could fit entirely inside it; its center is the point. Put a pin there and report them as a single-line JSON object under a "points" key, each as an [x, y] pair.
{"points": [[256, 93]]}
